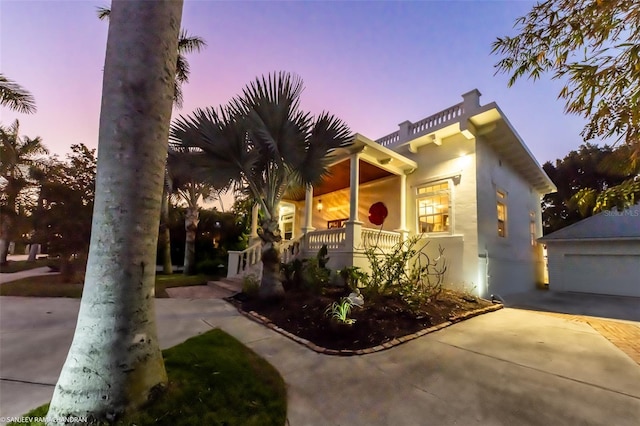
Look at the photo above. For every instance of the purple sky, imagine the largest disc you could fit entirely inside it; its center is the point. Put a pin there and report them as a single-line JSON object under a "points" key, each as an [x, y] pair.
{"points": [[374, 64]]}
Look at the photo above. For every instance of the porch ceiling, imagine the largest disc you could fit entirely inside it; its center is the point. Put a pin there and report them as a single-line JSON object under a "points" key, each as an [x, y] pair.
{"points": [[339, 178]]}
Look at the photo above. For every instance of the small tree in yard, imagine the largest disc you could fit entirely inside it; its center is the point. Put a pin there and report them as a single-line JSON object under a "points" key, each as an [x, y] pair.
{"points": [[65, 206], [188, 188], [595, 46], [263, 141]]}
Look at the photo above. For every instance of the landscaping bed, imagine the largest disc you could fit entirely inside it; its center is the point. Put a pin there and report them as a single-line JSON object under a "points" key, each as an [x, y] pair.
{"points": [[382, 319]]}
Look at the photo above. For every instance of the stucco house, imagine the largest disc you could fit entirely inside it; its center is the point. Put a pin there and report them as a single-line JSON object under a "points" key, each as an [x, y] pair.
{"points": [[600, 254], [461, 178]]}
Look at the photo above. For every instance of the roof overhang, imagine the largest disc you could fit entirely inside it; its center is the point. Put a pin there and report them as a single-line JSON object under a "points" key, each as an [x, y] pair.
{"points": [[504, 139], [377, 162]]}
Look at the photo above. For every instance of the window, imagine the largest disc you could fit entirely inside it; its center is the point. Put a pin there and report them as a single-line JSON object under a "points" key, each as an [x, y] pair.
{"points": [[434, 206], [532, 228], [286, 226], [502, 213]]}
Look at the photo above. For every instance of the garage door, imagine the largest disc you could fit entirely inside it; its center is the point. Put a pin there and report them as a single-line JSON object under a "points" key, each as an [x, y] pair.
{"points": [[601, 274]]}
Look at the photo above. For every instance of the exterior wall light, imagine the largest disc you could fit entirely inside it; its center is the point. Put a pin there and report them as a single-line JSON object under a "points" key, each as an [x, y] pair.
{"points": [[319, 206]]}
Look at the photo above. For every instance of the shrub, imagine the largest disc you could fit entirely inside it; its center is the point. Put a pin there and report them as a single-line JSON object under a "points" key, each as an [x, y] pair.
{"points": [[211, 267], [352, 277], [405, 270], [250, 285]]}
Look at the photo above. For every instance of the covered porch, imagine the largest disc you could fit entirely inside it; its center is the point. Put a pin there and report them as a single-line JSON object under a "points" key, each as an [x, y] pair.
{"points": [[335, 213]]}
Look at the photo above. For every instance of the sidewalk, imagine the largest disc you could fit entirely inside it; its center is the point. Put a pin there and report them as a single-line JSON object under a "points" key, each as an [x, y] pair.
{"points": [[8, 277], [503, 368]]}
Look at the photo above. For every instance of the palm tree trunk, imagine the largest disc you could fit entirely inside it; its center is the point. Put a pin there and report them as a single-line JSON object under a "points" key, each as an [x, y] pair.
{"points": [[165, 234], [271, 284], [5, 237], [114, 364], [33, 252], [191, 221]]}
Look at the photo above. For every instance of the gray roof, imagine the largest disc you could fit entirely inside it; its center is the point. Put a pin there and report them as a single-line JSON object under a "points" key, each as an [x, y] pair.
{"points": [[606, 225]]}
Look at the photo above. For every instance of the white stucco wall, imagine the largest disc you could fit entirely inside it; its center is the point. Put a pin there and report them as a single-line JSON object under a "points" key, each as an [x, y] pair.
{"points": [[601, 267], [511, 263], [456, 156]]}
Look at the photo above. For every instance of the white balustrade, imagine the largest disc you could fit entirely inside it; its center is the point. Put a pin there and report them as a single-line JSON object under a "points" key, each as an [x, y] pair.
{"points": [[240, 261], [425, 125], [437, 119], [333, 238], [289, 250], [385, 240]]}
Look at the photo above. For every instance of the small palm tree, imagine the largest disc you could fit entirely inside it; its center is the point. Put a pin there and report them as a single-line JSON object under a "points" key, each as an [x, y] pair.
{"points": [[185, 183], [17, 156], [186, 44], [263, 141], [15, 97]]}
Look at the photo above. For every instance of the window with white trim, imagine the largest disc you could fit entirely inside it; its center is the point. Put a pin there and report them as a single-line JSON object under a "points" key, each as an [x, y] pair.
{"points": [[434, 207], [532, 227], [502, 213]]}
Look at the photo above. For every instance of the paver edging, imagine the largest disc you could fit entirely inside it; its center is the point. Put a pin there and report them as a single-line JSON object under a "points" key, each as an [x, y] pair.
{"points": [[349, 352]]}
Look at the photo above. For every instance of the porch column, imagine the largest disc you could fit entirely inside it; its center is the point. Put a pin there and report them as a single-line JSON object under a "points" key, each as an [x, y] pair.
{"points": [[353, 227], [308, 211], [403, 208], [354, 187], [253, 237]]}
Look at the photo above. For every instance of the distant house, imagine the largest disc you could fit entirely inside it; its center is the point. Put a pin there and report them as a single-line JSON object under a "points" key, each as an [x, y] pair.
{"points": [[462, 178], [600, 254]]}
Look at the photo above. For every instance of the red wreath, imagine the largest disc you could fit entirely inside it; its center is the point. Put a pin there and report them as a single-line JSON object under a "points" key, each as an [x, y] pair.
{"points": [[378, 213]]}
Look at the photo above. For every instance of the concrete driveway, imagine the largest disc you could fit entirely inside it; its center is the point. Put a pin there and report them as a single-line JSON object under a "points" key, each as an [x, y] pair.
{"points": [[510, 367]]}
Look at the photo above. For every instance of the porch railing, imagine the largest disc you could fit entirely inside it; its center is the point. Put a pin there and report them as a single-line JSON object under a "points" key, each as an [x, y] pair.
{"points": [[334, 239], [384, 240], [289, 250], [240, 261]]}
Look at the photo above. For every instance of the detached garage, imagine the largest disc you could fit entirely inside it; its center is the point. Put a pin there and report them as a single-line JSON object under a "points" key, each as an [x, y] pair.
{"points": [[600, 254]]}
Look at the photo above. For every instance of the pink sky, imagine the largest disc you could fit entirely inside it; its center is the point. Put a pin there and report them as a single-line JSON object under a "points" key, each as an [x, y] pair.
{"points": [[374, 64]]}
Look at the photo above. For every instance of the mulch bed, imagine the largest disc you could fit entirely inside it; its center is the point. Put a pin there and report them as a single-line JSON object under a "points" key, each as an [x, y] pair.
{"points": [[380, 321]]}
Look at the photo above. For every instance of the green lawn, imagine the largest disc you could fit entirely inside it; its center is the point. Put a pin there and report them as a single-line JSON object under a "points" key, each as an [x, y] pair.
{"points": [[22, 265], [213, 380], [52, 285]]}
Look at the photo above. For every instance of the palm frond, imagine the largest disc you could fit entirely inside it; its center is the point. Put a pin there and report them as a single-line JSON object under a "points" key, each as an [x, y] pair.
{"points": [[188, 44], [12, 95], [103, 13]]}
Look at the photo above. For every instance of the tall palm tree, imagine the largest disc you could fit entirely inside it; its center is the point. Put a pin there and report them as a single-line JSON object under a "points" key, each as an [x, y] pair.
{"points": [[15, 97], [263, 140], [189, 188], [17, 156], [186, 44], [114, 364]]}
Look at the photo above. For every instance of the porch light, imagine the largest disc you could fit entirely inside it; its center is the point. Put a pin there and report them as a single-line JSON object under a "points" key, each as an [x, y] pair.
{"points": [[319, 206]]}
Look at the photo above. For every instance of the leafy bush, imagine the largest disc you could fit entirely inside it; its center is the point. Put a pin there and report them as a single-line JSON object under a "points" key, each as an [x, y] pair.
{"points": [[314, 276], [310, 274], [405, 270], [292, 274], [352, 277], [215, 266], [250, 285]]}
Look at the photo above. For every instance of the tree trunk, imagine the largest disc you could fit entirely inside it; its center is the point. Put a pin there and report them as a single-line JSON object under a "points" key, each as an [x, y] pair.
{"points": [[165, 234], [114, 364], [191, 221], [271, 284], [33, 252], [5, 237]]}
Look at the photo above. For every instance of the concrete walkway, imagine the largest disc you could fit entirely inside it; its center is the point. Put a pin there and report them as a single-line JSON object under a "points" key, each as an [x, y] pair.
{"points": [[43, 270], [510, 367]]}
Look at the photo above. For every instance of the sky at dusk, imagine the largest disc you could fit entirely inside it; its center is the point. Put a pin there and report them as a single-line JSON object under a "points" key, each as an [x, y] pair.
{"points": [[373, 64]]}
